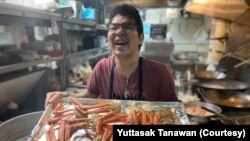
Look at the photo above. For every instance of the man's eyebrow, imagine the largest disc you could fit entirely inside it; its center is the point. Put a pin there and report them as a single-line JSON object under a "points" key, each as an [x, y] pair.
{"points": [[123, 23]]}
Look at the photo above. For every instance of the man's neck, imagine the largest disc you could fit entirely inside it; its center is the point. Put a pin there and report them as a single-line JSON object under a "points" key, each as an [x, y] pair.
{"points": [[127, 65]]}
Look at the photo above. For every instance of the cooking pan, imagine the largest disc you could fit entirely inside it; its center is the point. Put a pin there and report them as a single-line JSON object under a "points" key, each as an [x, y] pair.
{"points": [[243, 120], [224, 84], [233, 99], [233, 115], [209, 75], [201, 119]]}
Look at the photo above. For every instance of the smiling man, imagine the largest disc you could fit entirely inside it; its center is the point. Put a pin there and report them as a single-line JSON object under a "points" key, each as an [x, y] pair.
{"points": [[126, 75]]}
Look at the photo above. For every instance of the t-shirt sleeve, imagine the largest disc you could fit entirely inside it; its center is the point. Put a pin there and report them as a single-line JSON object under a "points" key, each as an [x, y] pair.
{"points": [[92, 83]]}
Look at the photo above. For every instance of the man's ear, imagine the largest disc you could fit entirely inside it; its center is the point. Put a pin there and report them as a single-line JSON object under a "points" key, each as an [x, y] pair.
{"points": [[141, 38]]}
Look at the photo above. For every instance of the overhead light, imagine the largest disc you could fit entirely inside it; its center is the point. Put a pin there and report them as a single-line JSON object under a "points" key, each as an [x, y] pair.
{"points": [[174, 3], [199, 1], [172, 13], [225, 9]]}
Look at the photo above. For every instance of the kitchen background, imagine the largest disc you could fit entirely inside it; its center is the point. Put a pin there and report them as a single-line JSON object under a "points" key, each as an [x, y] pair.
{"points": [[58, 52]]}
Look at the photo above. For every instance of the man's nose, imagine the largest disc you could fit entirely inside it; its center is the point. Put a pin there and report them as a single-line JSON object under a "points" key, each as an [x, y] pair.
{"points": [[120, 29]]}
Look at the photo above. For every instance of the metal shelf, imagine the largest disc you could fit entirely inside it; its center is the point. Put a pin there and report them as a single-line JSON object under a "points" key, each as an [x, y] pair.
{"points": [[17, 15], [85, 52], [78, 24], [23, 11], [101, 27], [11, 14], [186, 62], [83, 25], [22, 65]]}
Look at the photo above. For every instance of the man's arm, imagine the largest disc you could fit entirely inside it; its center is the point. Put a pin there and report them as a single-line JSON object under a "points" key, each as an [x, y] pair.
{"points": [[54, 97], [85, 94]]}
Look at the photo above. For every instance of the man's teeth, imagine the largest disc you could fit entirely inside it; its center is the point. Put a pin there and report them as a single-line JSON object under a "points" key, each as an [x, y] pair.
{"points": [[121, 43]]}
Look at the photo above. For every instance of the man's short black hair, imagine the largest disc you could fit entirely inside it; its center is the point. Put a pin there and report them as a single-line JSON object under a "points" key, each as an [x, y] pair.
{"points": [[129, 11]]}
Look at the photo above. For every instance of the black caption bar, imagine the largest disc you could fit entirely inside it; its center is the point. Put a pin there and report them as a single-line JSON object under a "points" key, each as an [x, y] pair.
{"points": [[196, 132]]}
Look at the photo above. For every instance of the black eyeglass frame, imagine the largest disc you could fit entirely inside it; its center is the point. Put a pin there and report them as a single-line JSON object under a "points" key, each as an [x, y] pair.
{"points": [[125, 26]]}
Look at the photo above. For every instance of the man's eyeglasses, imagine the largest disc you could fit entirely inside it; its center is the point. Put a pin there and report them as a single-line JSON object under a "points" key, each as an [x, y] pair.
{"points": [[125, 26]]}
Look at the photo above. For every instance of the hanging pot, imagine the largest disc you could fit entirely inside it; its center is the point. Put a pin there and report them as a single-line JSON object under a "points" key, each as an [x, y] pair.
{"points": [[224, 84], [233, 99]]}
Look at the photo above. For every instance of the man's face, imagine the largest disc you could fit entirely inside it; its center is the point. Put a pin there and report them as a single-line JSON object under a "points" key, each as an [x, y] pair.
{"points": [[123, 37]]}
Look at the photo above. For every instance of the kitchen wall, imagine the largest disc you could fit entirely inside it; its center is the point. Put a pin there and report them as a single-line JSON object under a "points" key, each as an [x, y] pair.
{"points": [[190, 37], [15, 35], [187, 33]]}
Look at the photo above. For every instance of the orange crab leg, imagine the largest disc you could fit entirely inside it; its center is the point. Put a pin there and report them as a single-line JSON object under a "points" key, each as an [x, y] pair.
{"points": [[156, 118], [99, 126], [126, 120], [75, 100], [158, 115], [107, 135], [98, 110], [53, 120], [61, 132], [109, 114], [115, 118], [59, 106], [54, 99], [135, 117], [98, 105], [151, 118], [78, 120], [144, 118], [78, 126], [67, 132], [99, 123], [50, 134], [93, 111], [108, 126], [61, 112]]}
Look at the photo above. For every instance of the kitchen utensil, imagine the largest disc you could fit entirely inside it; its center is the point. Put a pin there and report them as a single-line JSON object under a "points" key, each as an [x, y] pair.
{"points": [[20, 127], [233, 115], [233, 99], [224, 84], [243, 120], [209, 75], [202, 119], [220, 115], [242, 63]]}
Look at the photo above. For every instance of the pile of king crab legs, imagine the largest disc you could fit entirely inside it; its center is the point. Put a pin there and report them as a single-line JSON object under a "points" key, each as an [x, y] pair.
{"points": [[97, 120]]}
